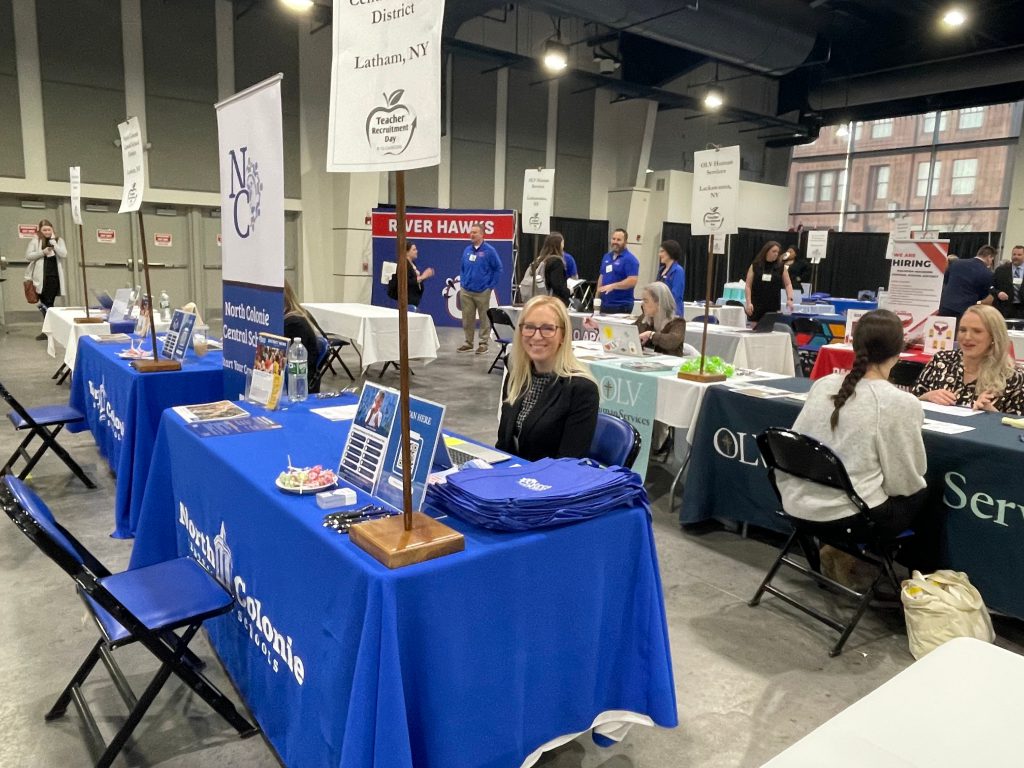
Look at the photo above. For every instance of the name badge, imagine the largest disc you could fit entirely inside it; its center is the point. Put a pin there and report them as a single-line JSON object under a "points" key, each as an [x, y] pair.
{"points": [[608, 269], [472, 257], [766, 278], [1018, 280]]}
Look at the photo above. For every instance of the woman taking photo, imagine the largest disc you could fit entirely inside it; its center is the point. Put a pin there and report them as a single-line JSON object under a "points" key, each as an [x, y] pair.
{"points": [[875, 430], [671, 272], [660, 329], [766, 278], [549, 400], [980, 374], [46, 255]]}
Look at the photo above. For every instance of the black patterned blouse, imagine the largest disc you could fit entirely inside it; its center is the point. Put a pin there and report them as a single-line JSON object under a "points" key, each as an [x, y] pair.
{"points": [[946, 371]]}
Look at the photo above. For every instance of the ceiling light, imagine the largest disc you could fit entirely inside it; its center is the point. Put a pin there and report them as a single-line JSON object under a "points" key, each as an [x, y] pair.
{"points": [[556, 55], [954, 17], [298, 5], [714, 98], [842, 131]]}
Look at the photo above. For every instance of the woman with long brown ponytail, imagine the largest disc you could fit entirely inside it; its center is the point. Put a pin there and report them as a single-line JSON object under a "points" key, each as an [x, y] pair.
{"points": [[873, 427]]}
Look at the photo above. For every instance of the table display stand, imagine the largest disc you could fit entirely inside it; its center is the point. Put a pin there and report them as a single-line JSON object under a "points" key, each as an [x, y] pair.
{"points": [[156, 365], [414, 537], [701, 376], [85, 286]]}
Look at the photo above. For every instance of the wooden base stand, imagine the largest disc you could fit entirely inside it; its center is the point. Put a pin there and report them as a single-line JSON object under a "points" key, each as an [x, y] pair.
{"points": [[387, 541], [702, 378], [148, 365], [81, 320]]}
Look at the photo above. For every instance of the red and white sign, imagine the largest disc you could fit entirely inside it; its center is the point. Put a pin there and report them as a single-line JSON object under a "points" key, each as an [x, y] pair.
{"points": [[497, 225], [106, 235], [27, 231], [916, 269], [162, 239]]}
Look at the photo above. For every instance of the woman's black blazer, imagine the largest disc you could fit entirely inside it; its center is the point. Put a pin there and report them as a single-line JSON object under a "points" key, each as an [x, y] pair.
{"points": [[560, 425]]}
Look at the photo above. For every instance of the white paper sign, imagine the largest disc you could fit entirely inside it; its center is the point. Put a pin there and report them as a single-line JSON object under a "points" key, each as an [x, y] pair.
{"points": [[716, 191], [915, 281], [939, 333], [385, 102], [817, 245], [718, 244], [538, 197], [134, 170], [852, 317], [75, 176]]}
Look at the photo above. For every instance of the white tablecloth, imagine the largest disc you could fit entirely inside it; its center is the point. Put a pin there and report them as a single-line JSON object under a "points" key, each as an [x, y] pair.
{"points": [[61, 329], [374, 331], [771, 352], [958, 706], [730, 316]]}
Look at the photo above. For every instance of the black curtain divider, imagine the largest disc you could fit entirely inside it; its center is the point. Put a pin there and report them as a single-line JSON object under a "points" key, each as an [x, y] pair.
{"points": [[745, 245], [966, 244], [854, 261], [585, 239]]}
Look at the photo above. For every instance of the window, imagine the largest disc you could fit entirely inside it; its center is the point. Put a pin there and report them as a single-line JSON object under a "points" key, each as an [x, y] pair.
{"points": [[971, 117], [828, 180], [922, 178], [964, 173], [810, 184], [880, 181], [929, 122], [881, 129]]}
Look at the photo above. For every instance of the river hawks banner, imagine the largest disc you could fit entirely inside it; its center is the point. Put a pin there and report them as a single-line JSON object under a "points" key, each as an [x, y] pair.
{"points": [[385, 86], [252, 224]]}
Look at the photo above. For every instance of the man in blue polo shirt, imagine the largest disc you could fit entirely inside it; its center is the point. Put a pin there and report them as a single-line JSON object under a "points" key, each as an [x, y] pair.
{"points": [[966, 282], [618, 275], [481, 269]]}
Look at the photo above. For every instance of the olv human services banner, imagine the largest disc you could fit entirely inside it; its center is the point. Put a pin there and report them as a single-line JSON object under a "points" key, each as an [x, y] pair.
{"points": [[440, 237]]}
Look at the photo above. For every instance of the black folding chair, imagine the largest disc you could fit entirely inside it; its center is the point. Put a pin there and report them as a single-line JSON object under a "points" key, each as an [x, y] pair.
{"points": [[146, 606], [582, 297], [904, 374], [798, 367], [786, 451], [336, 344], [44, 422], [504, 331]]}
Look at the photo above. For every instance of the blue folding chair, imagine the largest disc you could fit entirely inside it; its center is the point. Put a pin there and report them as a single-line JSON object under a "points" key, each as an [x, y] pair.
{"points": [[146, 606], [323, 347], [712, 320], [616, 442]]}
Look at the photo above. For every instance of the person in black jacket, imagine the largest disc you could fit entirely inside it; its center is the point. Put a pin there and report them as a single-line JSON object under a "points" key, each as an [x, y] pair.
{"points": [[766, 278], [415, 278], [549, 400], [1008, 285], [298, 326]]}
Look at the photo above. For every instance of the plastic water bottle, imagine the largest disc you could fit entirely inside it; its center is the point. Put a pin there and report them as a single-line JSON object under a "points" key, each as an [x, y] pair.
{"points": [[165, 307], [298, 384]]}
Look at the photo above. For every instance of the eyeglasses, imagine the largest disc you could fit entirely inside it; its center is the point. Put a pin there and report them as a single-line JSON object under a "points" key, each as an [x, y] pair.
{"points": [[547, 331]]}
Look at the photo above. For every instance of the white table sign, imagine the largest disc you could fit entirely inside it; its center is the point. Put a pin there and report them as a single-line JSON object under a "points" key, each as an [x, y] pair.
{"points": [[716, 190], [538, 197]]}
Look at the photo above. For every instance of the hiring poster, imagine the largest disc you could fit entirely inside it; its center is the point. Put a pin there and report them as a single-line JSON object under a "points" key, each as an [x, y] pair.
{"points": [[915, 281]]}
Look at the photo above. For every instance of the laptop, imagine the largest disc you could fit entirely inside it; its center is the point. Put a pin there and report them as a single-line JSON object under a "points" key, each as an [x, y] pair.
{"points": [[620, 338], [454, 452]]}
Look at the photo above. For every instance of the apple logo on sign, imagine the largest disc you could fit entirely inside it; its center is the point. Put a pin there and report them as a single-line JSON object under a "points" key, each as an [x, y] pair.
{"points": [[389, 128], [713, 219]]}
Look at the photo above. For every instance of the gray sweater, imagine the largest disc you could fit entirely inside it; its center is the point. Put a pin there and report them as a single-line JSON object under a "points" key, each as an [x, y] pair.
{"points": [[878, 439]]}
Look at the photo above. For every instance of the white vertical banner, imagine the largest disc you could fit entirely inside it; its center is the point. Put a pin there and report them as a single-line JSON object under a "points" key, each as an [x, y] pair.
{"points": [[385, 102], [538, 199], [817, 245], [134, 169], [252, 223], [716, 192], [75, 177]]}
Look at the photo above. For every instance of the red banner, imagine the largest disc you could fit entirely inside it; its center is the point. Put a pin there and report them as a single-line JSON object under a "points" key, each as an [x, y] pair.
{"points": [[446, 226]]}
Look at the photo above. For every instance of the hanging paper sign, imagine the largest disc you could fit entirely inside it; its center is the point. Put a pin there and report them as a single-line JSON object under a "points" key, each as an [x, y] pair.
{"points": [[27, 231], [162, 239], [538, 197], [75, 176], [716, 191], [385, 102], [817, 245], [718, 244], [106, 235], [131, 159], [915, 281]]}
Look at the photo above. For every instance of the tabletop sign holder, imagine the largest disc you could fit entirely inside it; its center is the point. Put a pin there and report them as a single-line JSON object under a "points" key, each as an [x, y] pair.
{"points": [[156, 365], [412, 537], [701, 376]]}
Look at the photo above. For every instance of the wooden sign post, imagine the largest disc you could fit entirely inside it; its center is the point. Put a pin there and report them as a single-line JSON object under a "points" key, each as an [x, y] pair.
{"points": [[156, 365]]}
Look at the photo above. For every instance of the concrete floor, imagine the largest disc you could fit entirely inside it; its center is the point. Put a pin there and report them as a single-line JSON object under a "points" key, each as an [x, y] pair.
{"points": [[749, 681]]}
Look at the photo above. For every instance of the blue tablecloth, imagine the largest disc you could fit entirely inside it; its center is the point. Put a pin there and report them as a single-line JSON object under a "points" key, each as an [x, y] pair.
{"points": [[122, 409], [475, 659], [844, 305], [975, 511]]}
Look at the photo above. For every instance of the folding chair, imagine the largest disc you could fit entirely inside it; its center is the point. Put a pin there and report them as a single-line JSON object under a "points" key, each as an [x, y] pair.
{"points": [[145, 606], [334, 353], [786, 451], [787, 328], [582, 297], [504, 331], [712, 320], [616, 442], [811, 335], [904, 374], [44, 422]]}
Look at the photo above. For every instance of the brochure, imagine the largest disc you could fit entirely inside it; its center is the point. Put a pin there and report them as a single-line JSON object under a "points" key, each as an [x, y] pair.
{"points": [[372, 459], [110, 338], [267, 383], [239, 426], [179, 335], [222, 409]]}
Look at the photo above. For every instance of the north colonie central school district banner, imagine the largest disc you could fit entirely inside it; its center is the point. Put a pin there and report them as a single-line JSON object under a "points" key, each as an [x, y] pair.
{"points": [[440, 237]]}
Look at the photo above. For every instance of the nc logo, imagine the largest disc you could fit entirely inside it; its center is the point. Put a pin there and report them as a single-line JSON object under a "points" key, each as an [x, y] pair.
{"points": [[246, 191]]}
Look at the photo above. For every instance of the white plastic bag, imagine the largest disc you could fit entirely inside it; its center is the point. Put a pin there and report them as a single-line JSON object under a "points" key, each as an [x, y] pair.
{"points": [[941, 606]]}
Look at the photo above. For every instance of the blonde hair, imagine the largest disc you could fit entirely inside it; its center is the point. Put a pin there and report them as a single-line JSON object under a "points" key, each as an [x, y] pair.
{"points": [[291, 302], [520, 371], [996, 367]]}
